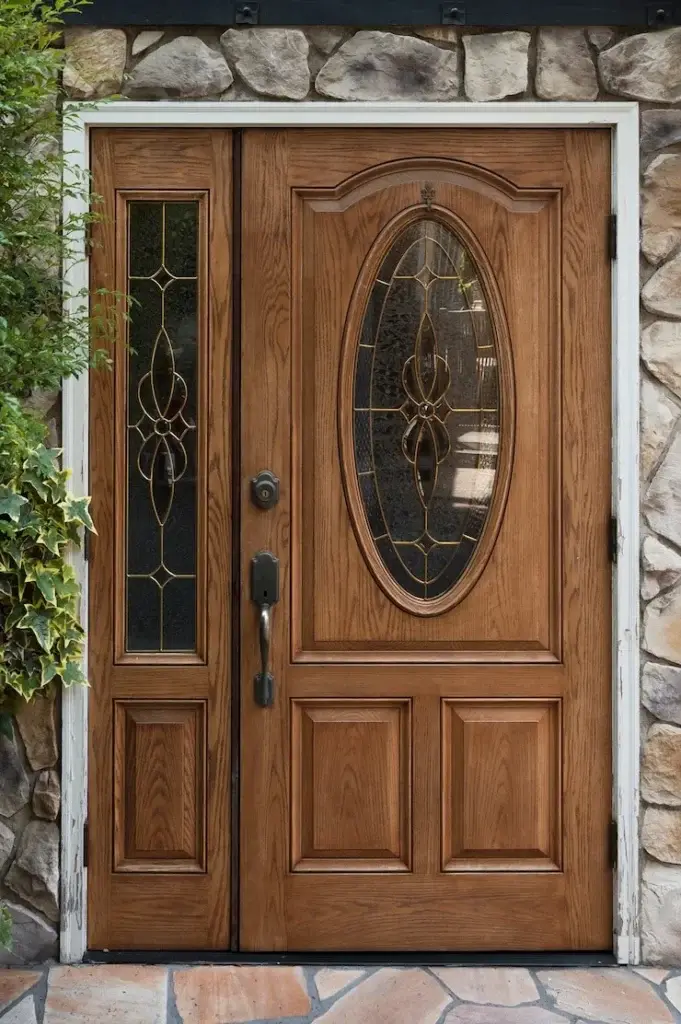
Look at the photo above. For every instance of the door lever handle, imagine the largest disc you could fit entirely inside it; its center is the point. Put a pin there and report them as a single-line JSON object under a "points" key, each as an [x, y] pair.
{"points": [[265, 594], [264, 680]]}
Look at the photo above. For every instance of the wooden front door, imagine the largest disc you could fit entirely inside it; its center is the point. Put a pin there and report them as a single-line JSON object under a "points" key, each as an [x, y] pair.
{"points": [[425, 360], [421, 324]]}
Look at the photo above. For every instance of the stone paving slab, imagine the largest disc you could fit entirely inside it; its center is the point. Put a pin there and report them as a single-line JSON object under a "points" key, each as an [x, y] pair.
{"points": [[129, 994]]}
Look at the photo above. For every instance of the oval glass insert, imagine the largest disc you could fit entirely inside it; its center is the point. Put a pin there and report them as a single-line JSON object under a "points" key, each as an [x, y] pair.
{"points": [[426, 406]]}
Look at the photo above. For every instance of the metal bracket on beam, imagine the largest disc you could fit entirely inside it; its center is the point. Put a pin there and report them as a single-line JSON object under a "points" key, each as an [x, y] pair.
{"points": [[247, 13], [453, 14]]}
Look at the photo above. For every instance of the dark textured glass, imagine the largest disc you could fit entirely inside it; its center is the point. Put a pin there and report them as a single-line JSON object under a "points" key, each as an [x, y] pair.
{"points": [[427, 448], [162, 426]]}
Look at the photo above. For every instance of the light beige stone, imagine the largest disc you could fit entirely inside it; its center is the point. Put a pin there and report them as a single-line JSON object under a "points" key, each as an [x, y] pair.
{"points": [[607, 995], [661, 293], [14, 983], [505, 986], [34, 939], [95, 61], [661, 914], [143, 40], [565, 69], [661, 567], [662, 626], [661, 691], [38, 728], [659, 129], [655, 975], [388, 996], [503, 1015], [329, 981], [184, 67], [46, 795], [661, 352], [120, 994], [644, 67], [673, 991], [227, 995], [22, 1013], [661, 765], [659, 413], [661, 834], [496, 65], [438, 33], [661, 200], [271, 61], [601, 36], [326, 38], [376, 65], [662, 500]]}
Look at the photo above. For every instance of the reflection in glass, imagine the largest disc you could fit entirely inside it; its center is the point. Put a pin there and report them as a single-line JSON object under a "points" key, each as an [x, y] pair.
{"points": [[426, 409], [162, 426]]}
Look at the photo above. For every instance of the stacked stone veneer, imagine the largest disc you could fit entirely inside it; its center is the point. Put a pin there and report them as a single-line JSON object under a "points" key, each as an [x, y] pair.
{"points": [[29, 834], [446, 64]]}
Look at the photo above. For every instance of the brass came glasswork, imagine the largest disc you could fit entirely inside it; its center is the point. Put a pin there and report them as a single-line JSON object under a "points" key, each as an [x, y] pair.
{"points": [[426, 408], [161, 555]]}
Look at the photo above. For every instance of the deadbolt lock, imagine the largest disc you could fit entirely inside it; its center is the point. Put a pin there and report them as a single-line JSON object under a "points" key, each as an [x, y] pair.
{"points": [[265, 489]]}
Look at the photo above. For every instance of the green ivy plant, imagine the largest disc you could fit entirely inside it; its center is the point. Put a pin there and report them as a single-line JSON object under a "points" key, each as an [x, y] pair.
{"points": [[39, 518], [40, 344]]}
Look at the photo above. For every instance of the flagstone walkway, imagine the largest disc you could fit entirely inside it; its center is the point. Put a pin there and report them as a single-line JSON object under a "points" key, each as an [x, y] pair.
{"points": [[299, 995]]}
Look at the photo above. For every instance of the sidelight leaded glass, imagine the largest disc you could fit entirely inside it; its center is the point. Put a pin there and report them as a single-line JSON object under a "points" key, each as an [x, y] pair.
{"points": [[162, 426], [426, 409]]}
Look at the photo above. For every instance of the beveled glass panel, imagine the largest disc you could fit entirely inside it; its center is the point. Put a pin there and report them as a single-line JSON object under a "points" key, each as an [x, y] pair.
{"points": [[427, 437], [163, 370]]}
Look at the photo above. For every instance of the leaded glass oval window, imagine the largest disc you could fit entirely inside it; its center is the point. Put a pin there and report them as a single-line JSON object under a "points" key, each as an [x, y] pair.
{"points": [[427, 411]]}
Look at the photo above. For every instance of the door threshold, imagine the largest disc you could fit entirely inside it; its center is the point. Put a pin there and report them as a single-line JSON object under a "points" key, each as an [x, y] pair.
{"points": [[335, 959]]}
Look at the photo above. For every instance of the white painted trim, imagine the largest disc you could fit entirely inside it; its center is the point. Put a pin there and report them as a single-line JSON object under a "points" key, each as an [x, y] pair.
{"points": [[73, 930], [623, 119]]}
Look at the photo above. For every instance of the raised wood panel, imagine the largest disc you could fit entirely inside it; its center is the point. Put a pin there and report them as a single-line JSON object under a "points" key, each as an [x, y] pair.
{"points": [[159, 786], [351, 785], [501, 801], [515, 233]]}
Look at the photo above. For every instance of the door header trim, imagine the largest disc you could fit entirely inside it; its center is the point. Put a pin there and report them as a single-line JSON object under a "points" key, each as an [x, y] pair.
{"points": [[622, 118]]}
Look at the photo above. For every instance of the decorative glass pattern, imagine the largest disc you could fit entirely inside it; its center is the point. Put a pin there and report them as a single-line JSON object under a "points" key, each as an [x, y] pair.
{"points": [[426, 409], [162, 426]]}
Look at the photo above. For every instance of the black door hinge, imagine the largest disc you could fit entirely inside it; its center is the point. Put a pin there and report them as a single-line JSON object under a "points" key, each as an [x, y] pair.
{"points": [[86, 844], [612, 844], [613, 540], [86, 545], [612, 236]]}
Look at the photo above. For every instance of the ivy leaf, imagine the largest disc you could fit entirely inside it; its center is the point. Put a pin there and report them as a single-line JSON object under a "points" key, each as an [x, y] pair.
{"points": [[39, 625], [76, 511], [11, 503], [73, 674], [37, 483], [45, 582]]}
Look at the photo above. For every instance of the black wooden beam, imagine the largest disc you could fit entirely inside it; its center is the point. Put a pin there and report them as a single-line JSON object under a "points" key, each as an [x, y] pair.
{"points": [[380, 13]]}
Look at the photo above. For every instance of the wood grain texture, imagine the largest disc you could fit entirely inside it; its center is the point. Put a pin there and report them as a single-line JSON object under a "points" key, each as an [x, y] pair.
{"points": [[159, 786], [351, 786], [330, 248], [133, 908], [527, 652], [501, 797]]}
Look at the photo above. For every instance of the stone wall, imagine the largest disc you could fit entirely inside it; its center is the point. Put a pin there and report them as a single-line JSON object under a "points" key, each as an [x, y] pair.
{"points": [[447, 64]]}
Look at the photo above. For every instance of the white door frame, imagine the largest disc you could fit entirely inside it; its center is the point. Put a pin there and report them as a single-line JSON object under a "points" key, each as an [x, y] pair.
{"points": [[622, 118]]}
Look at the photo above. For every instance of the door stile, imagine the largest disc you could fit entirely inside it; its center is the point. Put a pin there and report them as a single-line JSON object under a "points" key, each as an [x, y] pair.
{"points": [[235, 592]]}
